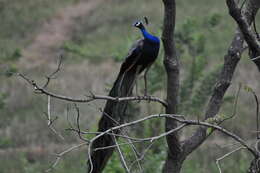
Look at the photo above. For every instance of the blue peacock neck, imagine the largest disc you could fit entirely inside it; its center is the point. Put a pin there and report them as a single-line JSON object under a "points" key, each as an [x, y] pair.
{"points": [[149, 36]]}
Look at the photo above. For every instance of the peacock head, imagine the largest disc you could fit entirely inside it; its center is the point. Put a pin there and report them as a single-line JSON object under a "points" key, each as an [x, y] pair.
{"points": [[138, 24]]}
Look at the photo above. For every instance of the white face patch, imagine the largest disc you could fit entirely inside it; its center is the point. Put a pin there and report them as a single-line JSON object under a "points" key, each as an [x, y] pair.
{"points": [[138, 23]]}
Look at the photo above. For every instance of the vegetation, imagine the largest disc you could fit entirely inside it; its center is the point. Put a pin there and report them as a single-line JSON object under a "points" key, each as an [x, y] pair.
{"points": [[20, 19], [105, 36]]}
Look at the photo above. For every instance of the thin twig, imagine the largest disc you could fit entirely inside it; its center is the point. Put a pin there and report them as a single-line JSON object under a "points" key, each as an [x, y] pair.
{"points": [[142, 156], [226, 155], [234, 112], [125, 133], [121, 155], [60, 155], [50, 121], [256, 58], [49, 110], [257, 113], [51, 76], [78, 123]]}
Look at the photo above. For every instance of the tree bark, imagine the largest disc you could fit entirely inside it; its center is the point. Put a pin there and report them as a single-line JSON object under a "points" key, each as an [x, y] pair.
{"points": [[179, 150], [254, 166], [171, 62], [242, 21], [231, 60]]}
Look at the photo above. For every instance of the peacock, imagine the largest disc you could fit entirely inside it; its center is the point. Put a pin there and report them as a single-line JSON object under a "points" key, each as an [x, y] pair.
{"points": [[140, 57]]}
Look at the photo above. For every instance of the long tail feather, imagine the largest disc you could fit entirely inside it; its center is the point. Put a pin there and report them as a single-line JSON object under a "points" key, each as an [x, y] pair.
{"points": [[114, 114]]}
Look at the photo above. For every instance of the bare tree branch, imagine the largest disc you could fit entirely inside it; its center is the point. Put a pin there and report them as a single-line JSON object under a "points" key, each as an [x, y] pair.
{"points": [[226, 155], [50, 121], [49, 110], [231, 60], [180, 119], [92, 97], [121, 154], [52, 75], [250, 36], [142, 156], [60, 155]]}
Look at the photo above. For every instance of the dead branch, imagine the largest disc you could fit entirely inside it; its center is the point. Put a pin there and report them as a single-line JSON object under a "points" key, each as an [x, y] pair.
{"points": [[50, 121], [226, 155], [91, 97], [244, 26], [121, 154], [250, 36], [231, 60], [52, 75], [60, 155], [180, 119]]}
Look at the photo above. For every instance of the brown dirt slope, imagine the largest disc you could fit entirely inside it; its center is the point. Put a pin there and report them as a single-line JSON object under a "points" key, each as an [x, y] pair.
{"points": [[54, 32]]}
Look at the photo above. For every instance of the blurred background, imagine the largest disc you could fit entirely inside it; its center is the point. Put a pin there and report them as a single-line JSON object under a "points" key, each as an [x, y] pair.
{"points": [[94, 36]]}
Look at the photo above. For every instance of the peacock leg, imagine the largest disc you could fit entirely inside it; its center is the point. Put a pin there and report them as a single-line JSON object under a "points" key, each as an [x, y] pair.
{"points": [[136, 78], [136, 87], [145, 80]]}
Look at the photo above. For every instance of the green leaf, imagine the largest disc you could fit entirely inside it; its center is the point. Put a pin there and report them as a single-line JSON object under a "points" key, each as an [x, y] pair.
{"points": [[209, 131], [248, 89]]}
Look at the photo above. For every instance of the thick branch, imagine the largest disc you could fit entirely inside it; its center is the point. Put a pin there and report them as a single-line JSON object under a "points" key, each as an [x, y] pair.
{"points": [[171, 63], [231, 60], [184, 123], [250, 37]]}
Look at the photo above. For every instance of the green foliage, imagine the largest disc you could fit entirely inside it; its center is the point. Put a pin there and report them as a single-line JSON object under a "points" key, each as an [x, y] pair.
{"points": [[13, 56], [248, 89], [19, 20], [213, 20], [12, 68], [74, 48], [198, 81], [156, 77], [198, 163], [215, 120], [153, 161], [195, 71], [107, 34], [209, 131], [5, 142], [203, 90], [114, 165], [2, 98]]}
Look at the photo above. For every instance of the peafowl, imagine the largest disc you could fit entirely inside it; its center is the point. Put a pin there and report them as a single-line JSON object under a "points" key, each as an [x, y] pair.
{"points": [[140, 57]]}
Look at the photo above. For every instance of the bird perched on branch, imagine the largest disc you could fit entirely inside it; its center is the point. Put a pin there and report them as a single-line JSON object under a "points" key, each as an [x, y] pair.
{"points": [[142, 54], [140, 58]]}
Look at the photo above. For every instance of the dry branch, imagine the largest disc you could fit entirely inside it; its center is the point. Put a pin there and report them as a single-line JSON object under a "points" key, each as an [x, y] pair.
{"points": [[250, 36], [184, 123], [226, 155], [230, 62], [91, 97]]}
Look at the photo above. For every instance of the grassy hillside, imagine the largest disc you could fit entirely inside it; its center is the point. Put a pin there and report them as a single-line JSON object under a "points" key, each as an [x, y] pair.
{"points": [[20, 19], [108, 32], [99, 41]]}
